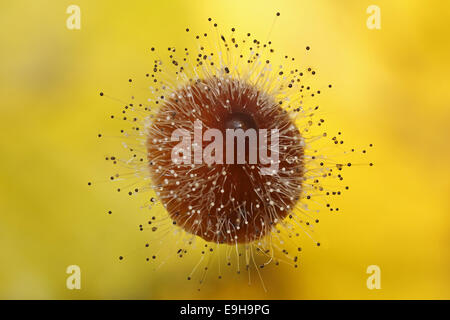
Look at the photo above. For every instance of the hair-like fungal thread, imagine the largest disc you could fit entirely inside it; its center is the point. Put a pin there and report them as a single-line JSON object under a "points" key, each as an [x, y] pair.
{"points": [[226, 145]]}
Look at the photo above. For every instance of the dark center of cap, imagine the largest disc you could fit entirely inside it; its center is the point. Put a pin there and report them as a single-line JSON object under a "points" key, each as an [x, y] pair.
{"points": [[239, 120]]}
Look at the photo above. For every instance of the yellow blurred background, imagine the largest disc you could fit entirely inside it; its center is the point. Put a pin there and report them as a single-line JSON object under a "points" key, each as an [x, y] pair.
{"points": [[391, 89]]}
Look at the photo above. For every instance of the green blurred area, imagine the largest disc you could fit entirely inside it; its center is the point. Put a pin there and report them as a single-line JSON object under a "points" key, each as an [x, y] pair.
{"points": [[390, 88]]}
